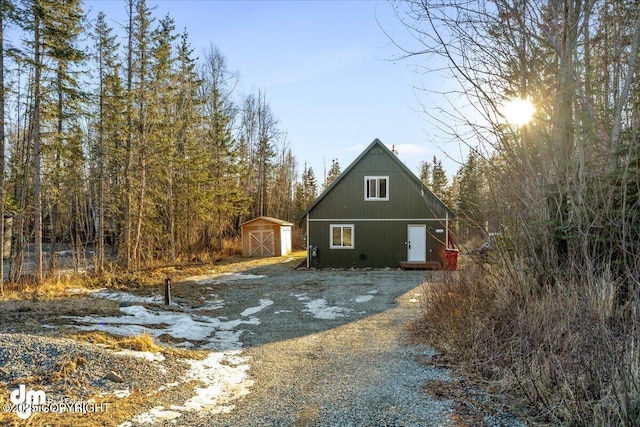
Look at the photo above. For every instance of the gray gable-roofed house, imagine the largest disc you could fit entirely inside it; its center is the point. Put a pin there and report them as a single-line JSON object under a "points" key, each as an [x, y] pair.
{"points": [[377, 213]]}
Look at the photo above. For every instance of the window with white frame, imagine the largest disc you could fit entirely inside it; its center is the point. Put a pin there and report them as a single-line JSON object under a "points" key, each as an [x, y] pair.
{"points": [[376, 188], [341, 236]]}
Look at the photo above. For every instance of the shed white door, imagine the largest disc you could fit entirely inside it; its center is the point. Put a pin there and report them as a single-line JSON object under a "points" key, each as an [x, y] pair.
{"points": [[261, 243], [417, 243]]}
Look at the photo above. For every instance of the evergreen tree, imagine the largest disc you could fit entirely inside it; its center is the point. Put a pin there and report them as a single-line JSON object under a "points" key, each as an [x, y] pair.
{"points": [[305, 191], [159, 228], [225, 196], [334, 172], [109, 123], [191, 167], [309, 185], [425, 173], [61, 31], [471, 195], [439, 181], [141, 114]]}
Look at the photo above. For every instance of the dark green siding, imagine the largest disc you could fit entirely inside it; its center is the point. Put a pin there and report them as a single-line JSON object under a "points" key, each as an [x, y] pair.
{"points": [[377, 244], [380, 227], [346, 200]]}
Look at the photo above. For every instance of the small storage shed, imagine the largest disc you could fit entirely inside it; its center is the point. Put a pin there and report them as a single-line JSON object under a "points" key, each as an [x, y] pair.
{"points": [[265, 236]]}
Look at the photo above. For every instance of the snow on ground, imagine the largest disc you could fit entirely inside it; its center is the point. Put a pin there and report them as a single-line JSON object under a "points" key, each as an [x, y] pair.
{"points": [[363, 298], [320, 310], [156, 322], [120, 296], [221, 377], [216, 279], [151, 357], [224, 379], [253, 310]]}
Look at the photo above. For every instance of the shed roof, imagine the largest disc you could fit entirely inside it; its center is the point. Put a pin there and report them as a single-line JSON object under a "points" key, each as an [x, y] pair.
{"points": [[269, 219], [376, 143]]}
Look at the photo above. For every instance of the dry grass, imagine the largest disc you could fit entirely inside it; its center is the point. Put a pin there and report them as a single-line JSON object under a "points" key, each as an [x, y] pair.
{"points": [[143, 342], [564, 354], [52, 299]]}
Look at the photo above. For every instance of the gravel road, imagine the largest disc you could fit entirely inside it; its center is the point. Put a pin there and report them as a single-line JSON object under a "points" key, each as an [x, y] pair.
{"points": [[361, 373], [332, 349], [288, 348]]}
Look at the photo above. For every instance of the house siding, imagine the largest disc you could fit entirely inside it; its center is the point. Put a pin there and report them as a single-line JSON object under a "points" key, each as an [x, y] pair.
{"points": [[376, 244], [380, 226], [346, 200]]}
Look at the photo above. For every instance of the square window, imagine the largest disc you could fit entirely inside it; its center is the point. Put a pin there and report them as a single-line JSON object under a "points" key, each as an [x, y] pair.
{"points": [[341, 236], [376, 188]]}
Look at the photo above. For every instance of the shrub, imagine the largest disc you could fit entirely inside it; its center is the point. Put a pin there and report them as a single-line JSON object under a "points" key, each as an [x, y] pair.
{"points": [[566, 354]]}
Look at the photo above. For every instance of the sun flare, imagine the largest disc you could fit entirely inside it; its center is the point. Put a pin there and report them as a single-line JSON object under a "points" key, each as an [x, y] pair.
{"points": [[518, 111]]}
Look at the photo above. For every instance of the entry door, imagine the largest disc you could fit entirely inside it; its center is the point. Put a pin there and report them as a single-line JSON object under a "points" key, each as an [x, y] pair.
{"points": [[261, 243], [417, 243]]}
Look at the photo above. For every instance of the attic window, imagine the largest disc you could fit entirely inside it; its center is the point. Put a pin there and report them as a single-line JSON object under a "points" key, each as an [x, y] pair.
{"points": [[376, 188]]}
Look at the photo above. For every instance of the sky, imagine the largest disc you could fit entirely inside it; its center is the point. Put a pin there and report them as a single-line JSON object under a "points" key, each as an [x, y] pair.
{"points": [[331, 75]]}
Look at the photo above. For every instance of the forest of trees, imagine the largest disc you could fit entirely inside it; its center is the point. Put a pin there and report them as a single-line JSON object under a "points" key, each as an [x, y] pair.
{"points": [[131, 145], [553, 318]]}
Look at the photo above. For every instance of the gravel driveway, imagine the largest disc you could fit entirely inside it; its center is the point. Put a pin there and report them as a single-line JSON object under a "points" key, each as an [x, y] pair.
{"points": [[331, 348], [355, 369], [285, 347]]}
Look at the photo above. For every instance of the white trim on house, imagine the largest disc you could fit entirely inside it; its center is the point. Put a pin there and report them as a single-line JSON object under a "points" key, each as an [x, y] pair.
{"points": [[337, 220], [307, 241], [376, 189]]}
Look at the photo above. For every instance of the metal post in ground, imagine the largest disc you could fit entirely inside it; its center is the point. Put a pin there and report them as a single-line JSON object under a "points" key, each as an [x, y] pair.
{"points": [[167, 291]]}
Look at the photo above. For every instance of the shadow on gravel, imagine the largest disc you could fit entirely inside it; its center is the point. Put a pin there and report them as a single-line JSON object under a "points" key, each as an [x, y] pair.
{"points": [[247, 307]]}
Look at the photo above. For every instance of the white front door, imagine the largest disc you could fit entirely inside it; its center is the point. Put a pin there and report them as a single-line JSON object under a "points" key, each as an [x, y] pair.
{"points": [[417, 243]]}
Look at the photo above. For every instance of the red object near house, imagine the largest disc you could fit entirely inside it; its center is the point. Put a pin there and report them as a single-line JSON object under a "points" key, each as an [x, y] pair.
{"points": [[452, 259]]}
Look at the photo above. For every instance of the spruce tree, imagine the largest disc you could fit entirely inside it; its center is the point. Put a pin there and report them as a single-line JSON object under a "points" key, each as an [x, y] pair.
{"points": [[109, 123], [334, 172], [225, 196]]}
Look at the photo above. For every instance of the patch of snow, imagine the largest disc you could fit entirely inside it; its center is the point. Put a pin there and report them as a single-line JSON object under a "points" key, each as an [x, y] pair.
{"points": [[302, 297], [253, 310], [156, 414], [140, 320], [374, 292], [227, 340], [212, 305], [112, 295], [363, 298], [413, 300], [121, 394], [320, 310], [282, 311], [151, 357], [222, 379], [218, 278], [224, 375]]}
